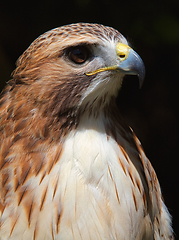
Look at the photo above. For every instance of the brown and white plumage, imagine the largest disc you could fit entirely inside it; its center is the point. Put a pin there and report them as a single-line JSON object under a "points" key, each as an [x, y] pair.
{"points": [[69, 167]]}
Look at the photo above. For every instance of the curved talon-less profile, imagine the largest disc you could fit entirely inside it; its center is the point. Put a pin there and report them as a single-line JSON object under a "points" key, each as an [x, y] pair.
{"points": [[69, 166]]}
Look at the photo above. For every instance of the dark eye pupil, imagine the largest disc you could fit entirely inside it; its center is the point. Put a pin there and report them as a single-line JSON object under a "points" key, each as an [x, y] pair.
{"points": [[78, 54]]}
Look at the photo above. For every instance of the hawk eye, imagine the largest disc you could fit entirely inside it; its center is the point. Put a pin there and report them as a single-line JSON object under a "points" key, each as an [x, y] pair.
{"points": [[78, 54]]}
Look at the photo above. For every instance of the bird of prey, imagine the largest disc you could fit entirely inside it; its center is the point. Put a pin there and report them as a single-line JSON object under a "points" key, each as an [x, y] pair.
{"points": [[69, 166]]}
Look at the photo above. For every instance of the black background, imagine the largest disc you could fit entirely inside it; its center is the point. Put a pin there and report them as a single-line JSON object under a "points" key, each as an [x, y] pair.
{"points": [[152, 29]]}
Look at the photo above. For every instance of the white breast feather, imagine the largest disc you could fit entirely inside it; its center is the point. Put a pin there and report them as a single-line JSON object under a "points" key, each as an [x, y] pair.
{"points": [[96, 194]]}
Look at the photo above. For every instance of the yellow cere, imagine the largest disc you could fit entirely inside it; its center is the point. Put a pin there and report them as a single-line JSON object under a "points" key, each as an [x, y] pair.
{"points": [[122, 51]]}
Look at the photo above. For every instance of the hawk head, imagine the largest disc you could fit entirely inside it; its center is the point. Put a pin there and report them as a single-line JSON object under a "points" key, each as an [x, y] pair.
{"points": [[77, 65], [69, 71]]}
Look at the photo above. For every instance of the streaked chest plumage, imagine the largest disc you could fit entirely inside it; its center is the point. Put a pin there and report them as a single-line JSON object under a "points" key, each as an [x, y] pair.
{"points": [[93, 191], [103, 191]]}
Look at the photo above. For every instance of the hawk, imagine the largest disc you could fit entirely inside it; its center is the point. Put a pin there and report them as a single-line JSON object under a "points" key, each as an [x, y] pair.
{"points": [[69, 166]]}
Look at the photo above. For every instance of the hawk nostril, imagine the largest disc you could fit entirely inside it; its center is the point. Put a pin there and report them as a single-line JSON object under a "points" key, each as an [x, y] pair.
{"points": [[122, 55]]}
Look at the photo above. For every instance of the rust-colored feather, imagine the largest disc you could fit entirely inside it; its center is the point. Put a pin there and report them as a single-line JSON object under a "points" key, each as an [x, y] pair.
{"points": [[44, 195], [2, 207], [135, 200], [23, 191], [59, 216], [29, 205], [14, 222], [116, 191]]}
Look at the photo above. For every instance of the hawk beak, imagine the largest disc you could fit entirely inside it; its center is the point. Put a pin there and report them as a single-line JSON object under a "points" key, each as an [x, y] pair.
{"points": [[129, 63]]}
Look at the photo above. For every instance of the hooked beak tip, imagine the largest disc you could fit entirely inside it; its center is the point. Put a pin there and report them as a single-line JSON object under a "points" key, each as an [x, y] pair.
{"points": [[133, 65]]}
